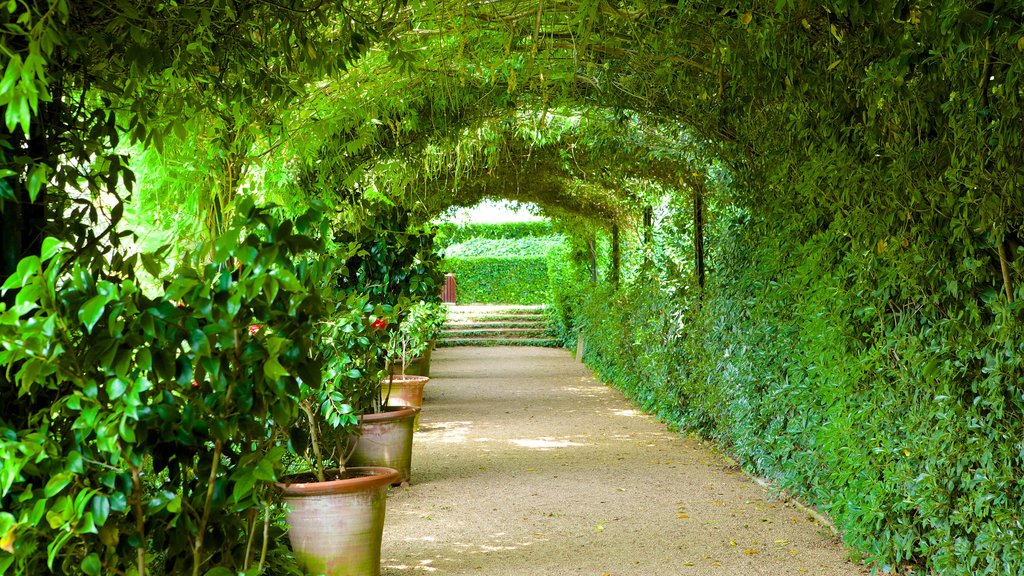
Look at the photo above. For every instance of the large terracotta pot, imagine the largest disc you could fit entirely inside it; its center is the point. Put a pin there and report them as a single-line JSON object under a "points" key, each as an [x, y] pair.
{"points": [[335, 527], [405, 390], [385, 439]]}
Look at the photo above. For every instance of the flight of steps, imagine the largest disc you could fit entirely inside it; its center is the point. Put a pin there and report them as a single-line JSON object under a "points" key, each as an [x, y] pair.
{"points": [[496, 325]]}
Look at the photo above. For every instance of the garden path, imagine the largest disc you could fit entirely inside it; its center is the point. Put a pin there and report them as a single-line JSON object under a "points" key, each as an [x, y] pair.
{"points": [[526, 465]]}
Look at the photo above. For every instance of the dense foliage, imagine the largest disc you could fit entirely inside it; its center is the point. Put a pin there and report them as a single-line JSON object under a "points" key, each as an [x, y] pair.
{"points": [[125, 408], [449, 233], [504, 280], [902, 429], [854, 330], [501, 248], [503, 263]]}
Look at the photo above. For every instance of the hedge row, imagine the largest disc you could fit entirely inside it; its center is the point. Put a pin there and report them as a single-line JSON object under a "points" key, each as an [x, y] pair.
{"points": [[504, 248], [904, 425], [449, 233], [500, 280]]}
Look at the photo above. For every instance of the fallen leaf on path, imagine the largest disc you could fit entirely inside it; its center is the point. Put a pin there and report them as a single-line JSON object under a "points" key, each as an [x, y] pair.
{"points": [[751, 551]]}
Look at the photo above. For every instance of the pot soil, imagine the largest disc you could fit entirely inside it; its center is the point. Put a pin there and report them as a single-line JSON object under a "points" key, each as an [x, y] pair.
{"points": [[335, 527], [385, 439]]}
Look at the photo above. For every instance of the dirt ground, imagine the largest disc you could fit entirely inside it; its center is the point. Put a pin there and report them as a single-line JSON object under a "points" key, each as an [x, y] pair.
{"points": [[525, 464]]}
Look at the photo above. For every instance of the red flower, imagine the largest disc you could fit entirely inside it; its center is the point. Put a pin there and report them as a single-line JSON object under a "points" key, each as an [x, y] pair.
{"points": [[379, 323], [254, 329], [195, 384]]}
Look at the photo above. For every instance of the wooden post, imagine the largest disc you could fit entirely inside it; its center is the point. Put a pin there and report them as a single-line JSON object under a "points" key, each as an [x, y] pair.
{"points": [[648, 233], [592, 245], [616, 256], [698, 233]]}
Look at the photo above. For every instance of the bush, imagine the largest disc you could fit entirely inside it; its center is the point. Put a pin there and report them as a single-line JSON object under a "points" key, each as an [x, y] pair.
{"points": [[500, 280], [135, 435]]}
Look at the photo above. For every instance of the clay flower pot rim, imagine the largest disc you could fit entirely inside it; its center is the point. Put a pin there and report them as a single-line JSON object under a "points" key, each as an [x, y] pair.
{"points": [[405, 378], [391, 413], [369, 477]]}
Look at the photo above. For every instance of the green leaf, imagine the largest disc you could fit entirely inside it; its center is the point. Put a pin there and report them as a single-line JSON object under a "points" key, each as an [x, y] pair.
{"points": [[26, 268], [115, 388], [151, 264], [100, 509], [92, 311], [51, 246], [56, 484], [273, 370], [36, 180], [125, 430], [91, 564]]}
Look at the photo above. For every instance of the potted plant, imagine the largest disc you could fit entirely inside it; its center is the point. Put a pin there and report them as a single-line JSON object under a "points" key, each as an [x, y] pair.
{"points": [[385, 430], [392, 261], [154, 411], [410, 346], [421, 328], [336, 512]]}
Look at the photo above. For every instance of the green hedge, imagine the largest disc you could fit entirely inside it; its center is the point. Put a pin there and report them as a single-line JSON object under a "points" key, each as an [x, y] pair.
{"points": [[504, 248], [449, 233], [499, 280], [902, 424]]}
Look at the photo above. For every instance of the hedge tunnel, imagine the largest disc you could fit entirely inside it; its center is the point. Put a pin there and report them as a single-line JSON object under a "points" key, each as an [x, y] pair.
{"points": [[818, 203]]}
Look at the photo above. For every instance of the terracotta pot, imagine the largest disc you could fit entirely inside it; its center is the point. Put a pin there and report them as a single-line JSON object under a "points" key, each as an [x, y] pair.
{"points": [[421, 366], [335, 527], [405, 390], [385, 439]]}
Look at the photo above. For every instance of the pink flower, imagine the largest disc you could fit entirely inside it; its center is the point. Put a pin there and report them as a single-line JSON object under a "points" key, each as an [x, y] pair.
{"points": [[254, 329], [195, 384]]}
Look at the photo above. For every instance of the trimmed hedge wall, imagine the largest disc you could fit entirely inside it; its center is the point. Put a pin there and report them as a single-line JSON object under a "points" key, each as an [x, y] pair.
{"points": [[522, 280], [448, 233]]}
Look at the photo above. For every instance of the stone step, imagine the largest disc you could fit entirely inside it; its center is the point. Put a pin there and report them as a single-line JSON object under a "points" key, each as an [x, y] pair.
{"points": [[485, 325], [494, 333], [496, 317], [550, 342], [462, 325]]}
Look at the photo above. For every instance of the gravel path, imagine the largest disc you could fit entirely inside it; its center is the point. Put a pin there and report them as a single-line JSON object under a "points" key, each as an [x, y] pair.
{"points": [[525, 464]]}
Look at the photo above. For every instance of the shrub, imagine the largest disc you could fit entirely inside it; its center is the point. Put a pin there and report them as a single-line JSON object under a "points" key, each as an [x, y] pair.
{"points": [[138, 438], [500, 280]]}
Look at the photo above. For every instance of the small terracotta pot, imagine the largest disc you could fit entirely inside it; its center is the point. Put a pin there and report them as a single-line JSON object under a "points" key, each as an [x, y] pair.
{"points": [[335, 527], [385, 439], [405, 390]]}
